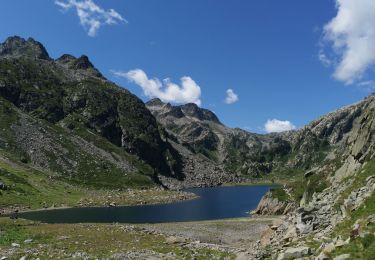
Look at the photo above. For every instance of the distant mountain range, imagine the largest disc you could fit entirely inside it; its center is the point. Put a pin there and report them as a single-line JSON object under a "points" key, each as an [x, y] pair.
{"points": [[250, 155], [64, 116]]}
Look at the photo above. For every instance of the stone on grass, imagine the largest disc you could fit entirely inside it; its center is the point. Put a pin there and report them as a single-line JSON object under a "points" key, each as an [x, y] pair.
{"points": [[3, 186], [328, 248], [342, 257], [355, 231], [174, 240], [371, 220], [291, 233], [322, 256], [340, 243], [292, 253], [16, 245]]}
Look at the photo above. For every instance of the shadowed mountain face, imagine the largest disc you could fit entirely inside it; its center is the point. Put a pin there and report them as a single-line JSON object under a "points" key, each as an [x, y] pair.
{"points": [[70, 96]]}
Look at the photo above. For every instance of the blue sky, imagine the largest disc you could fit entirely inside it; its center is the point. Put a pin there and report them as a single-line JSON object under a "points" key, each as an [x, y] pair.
{"points": [[274, 55]]}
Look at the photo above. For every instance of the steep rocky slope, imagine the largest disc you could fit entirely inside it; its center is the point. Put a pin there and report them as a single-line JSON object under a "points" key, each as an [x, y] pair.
{"points": [[334, 202], [63, 116], [196, 128], [195, 133], [240, 153]]}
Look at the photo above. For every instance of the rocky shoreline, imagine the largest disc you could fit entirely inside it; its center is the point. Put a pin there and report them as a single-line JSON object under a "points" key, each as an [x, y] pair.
{"points": [[312, 230]]}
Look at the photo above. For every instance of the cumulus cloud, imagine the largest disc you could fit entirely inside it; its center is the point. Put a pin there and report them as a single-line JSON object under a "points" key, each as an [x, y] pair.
{"points": [[351, 36], [231, 97], [187, 92], [91, 16], [277, 126]]}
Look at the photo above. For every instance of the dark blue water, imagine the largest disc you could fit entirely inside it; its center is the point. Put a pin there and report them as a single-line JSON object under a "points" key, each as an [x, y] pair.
{"points": [[213, 203]]}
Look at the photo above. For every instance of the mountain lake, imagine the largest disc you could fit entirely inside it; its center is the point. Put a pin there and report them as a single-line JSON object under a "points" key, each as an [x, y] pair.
{"points": [[212, 203]]}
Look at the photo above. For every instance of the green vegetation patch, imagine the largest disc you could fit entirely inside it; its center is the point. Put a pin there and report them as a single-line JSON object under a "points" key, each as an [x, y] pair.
{"points": [[28, 188], [362, 247], [8, 117], [94, 240], [18, 232], [279, 194]]}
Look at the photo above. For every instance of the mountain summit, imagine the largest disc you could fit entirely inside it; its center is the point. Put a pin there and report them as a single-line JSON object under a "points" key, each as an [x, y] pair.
{"points": [[190, 110], [17, 47]]}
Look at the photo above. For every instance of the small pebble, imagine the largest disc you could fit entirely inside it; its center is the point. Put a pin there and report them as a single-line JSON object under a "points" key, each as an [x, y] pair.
{"points": [[15, 245]]}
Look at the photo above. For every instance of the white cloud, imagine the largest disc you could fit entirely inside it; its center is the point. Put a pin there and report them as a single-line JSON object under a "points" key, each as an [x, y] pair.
{"points": [[231, 97], [324, 59], [277, 126], [166, 90], [368, 85], [351, 34], [91, 16]]}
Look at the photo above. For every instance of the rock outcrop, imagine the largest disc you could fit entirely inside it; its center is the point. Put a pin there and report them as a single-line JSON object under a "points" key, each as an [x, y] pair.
{"points": [[269, 205]]}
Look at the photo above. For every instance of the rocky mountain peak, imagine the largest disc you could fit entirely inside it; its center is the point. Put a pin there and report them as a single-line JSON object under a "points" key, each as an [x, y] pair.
{"points": [[16, 46], [372, 95], [82, 63], [195, 111], [187, 110], [155, 102], [66, 58]]}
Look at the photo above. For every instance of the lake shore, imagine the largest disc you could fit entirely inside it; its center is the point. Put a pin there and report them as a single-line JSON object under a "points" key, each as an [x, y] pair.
{"points": [[235, 232], [115, 198], [271, 184], [131, 197]]}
